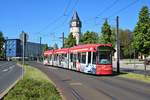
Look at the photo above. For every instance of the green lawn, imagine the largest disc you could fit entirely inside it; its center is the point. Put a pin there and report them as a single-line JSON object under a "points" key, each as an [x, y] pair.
{"points": [[136, 76], [35, 85]]}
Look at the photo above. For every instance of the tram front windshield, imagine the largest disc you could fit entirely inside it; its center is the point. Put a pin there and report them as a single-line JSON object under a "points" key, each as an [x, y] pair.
{"points": [[104, 55]]}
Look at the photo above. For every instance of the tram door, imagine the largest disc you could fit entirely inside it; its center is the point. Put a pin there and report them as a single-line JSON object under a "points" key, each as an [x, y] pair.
{"points": [[59, 60], [82, 61], [72, 61]]}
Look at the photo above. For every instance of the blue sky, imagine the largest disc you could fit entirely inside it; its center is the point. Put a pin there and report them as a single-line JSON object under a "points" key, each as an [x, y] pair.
{"points": [[49, 18]]}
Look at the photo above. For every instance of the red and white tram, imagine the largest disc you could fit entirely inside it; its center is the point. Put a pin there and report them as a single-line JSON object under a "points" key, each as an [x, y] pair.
{"points": [[88, 58]]}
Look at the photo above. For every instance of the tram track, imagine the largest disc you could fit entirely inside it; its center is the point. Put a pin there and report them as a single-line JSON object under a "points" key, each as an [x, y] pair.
{"points": [[79, 86], [77, 95], [125, 88]]}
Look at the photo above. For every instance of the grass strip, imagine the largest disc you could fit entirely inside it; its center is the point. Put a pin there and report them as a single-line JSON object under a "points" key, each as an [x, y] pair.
{"points": [[135, 76], [35, 85]]}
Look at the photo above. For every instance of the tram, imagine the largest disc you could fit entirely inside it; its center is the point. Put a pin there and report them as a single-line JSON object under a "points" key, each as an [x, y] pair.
{"points": [[87, 58]]}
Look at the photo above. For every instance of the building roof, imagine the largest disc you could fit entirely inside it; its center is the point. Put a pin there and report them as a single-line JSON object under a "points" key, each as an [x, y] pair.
{"points": [[75, 16]]}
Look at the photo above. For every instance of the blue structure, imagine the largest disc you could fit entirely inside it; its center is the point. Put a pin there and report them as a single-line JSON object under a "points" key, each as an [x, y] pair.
{"points": [[13, 48]]}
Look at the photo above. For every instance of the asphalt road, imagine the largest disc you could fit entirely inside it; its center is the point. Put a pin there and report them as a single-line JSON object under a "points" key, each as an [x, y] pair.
{"points": [[9, 73], [78, 86]]}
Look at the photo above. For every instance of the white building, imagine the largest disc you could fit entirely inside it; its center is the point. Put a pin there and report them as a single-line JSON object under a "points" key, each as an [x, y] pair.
{"points": [[75, 27]]}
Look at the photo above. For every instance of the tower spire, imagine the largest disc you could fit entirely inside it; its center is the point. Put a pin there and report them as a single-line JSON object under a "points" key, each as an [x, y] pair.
{"points": [[75, 16], [75, 26]]}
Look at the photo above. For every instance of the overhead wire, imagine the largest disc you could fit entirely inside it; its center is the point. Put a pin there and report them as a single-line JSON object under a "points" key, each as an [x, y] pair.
{"points": [[111, 6], [53, 30], [107, 8], [69, 3], [103, 11], [67, 17], [56, 19], [122, 9]]}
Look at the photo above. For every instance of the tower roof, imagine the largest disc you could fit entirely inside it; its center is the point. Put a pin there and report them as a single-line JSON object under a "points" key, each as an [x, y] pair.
{"points": [[75, 16]]}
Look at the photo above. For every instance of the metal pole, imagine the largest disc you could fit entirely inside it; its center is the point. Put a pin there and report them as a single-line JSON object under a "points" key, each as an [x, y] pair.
{"points": [[63, 39], [6, 48], [63, 43], [134, 59], [118, 44], [145, 69], [23, 47], [40, 49]]}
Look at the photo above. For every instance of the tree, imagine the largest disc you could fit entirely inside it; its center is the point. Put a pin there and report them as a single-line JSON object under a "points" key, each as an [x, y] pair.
{"points": [[89, 37], [126, 50], [45, 47], [113, 37], [55, 46], [70, 41], [141, 36], [1, 44], [106, 33], [125, 43]]}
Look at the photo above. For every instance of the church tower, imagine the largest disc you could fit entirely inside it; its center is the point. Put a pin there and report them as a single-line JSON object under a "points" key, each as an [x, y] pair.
{"points": [[75, 27]]}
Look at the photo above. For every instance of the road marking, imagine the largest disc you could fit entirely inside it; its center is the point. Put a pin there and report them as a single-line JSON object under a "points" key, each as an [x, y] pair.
{"points": [[76, 83], [11, 67], [4, 63], [5, 70]]}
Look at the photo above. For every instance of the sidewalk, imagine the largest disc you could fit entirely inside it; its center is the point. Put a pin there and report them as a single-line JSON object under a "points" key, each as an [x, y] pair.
{"points": [[129, 66]]}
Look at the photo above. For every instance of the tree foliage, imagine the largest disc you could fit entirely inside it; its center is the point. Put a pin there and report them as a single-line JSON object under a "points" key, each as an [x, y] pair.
{"points": [[1, 44], [141, 37], [113, 37], [89, 37], [70, 41], [125, 43], [45, 47], [106, 33]]}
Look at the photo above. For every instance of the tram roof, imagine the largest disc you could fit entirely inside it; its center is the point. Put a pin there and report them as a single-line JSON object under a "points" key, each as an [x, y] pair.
{"points": [[61, 51], [79, 48], [87, 47], [48, 52]]}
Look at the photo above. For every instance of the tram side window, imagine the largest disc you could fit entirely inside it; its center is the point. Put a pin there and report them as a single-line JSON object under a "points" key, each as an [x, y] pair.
{"points": [[50, 56], [79, 57], [74, 57], [83, 57], [94, 57], [55, 57], [89, 57], [64, 57], [71, 57]]}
